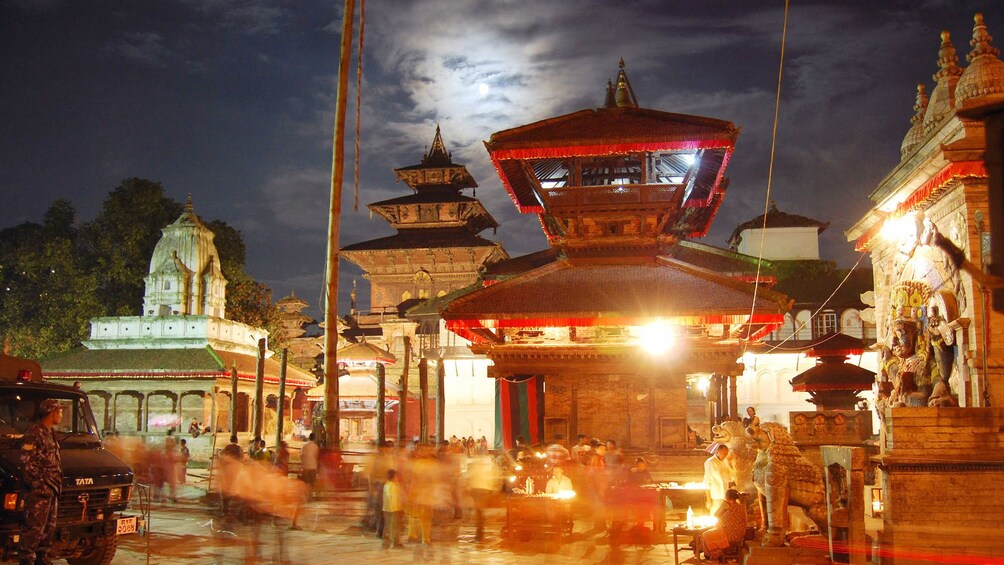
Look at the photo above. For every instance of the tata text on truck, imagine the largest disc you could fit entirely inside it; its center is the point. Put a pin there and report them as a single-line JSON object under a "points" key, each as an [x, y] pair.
{"points": [[96, 484]]}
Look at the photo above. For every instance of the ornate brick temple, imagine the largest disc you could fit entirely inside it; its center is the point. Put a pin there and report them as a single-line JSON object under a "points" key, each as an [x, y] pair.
{"points": [[615, 188], [176, 361], [941, 382], [437, 251]]}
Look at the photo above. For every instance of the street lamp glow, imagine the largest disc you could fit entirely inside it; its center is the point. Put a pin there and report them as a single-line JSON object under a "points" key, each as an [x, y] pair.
{"points": [[703, 384], [655, 338]]}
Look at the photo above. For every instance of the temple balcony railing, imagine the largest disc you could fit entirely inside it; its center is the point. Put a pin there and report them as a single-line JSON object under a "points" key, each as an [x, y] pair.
{"points": [[661, 195]]}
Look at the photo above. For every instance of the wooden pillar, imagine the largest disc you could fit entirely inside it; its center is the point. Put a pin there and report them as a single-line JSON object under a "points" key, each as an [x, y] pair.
{"points": [[259, 390], [213, 410], [115, 412], [573, 413], [423, 403], [280, 409], [712, 396], [441, 399], [653, 440], [233, 400], [381, 417], [733, 399], [402, 406]]}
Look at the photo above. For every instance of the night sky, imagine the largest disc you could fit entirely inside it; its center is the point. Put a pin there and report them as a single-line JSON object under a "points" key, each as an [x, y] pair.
{"points": [[233, 102]]}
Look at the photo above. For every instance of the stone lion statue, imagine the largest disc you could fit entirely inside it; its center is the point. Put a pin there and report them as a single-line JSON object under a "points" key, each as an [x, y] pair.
{"points": [[742, 454], [784, 476]]}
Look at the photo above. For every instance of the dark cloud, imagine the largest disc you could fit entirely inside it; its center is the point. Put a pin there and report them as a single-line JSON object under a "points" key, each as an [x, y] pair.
{"points": [[250, 17], [146, 48]]}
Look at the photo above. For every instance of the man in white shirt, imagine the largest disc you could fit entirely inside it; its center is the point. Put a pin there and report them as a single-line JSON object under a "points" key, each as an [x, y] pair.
{"points": [[310, 456], [717, 475], [393, 510]]}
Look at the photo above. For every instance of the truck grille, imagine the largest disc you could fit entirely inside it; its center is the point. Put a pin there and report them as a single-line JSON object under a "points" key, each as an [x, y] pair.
{"points": [[71, 504]]}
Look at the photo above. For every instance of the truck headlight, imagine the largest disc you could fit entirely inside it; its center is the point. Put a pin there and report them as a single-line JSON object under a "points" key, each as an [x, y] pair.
{"points": [[115, 494], [10, 501]]}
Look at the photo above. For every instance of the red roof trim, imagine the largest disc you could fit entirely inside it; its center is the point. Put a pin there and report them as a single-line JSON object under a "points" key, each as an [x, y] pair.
{"points": [[608, 149], [950, 172], [812, 387]]}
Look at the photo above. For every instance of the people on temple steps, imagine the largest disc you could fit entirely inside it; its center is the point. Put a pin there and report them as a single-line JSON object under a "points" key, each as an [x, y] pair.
{"points": [[717, 475]]}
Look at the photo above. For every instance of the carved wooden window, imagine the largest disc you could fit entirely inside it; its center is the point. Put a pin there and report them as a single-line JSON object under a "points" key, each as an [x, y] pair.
{"points": [[824, 323], [672, 433], [555, 429]]}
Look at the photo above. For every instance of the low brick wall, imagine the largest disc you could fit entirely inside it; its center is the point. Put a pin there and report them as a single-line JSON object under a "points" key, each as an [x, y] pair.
{"points": [[943, 481]]}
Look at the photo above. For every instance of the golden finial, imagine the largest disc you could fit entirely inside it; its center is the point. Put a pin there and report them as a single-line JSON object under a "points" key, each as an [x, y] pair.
{"points": [[920, 106], [981, 40], [947, 58]]}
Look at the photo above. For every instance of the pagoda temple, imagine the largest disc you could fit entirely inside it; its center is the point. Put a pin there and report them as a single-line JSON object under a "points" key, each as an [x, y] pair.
{"points": [[616, 188], [437, 248], [437, 252]]}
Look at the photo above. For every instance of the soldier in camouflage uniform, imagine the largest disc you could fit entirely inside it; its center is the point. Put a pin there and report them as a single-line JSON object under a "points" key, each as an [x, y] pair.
{"points": [[40, 458]]}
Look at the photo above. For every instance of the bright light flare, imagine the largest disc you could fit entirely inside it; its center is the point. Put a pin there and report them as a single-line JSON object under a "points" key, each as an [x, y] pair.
{"points": [[484, 89], [898, 228], [564, 494], [705, 521], [703, 384], [655, 338]]}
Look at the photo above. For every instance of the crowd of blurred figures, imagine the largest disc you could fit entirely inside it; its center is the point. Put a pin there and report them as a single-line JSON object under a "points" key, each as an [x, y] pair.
{"points": [[410, 489]]}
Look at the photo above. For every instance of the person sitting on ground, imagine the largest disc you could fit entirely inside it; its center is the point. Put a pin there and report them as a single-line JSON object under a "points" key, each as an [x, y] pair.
{"points": [[731, 527], [195, 428]]}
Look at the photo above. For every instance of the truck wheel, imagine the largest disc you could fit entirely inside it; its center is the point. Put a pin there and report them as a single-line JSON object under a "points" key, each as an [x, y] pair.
{"points": [[99, 555]]}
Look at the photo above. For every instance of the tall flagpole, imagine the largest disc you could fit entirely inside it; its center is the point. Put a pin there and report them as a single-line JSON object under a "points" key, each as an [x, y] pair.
{"points": [[331, 397]]}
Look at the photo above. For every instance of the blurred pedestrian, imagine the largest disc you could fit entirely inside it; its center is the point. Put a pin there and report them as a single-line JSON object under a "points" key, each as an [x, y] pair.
{"points": [[169, 467], [281, 459], [484, 478], [310, 455], [184, 456]]}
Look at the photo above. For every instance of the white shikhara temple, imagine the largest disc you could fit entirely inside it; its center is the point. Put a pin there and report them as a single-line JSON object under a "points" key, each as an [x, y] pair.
{"points": [[176, 361]]}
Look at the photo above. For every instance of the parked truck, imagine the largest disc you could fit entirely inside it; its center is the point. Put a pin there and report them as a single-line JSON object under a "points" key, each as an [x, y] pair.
{"points": [[96, 485]]}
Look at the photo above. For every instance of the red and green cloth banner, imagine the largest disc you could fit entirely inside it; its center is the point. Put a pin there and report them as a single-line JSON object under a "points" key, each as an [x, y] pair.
{"points": [[519, 410]]}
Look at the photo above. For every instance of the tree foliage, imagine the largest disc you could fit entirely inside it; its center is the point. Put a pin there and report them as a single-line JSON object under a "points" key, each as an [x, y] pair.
{"points": [[57, 274], [47, 293]]}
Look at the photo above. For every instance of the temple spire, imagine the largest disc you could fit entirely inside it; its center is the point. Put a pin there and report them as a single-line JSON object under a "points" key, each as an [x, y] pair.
{"points": [[624, 96], [608, 100], [982, 83], [437, 153], [188, 204], [942, 101], [915, 135]]}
